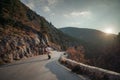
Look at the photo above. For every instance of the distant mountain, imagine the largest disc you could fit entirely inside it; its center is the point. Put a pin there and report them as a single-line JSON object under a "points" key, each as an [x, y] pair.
{"points": [[101, 49], [89, 35], [23, 33], [94, 41]]}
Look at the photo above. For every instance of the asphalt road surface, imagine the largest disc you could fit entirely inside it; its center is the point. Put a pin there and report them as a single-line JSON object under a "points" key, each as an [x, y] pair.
{"points": [[38, 68]]}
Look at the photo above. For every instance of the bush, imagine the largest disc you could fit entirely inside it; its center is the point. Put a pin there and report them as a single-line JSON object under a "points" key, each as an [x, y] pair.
{"points": [[77, 69]]}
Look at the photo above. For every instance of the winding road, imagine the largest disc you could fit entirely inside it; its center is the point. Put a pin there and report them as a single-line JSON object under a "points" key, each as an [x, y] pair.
{"points": [[38, 68]]}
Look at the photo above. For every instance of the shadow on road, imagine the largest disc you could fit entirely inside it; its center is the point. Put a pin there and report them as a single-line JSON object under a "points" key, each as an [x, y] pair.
{"points": [[20, 63], [60, 72]]}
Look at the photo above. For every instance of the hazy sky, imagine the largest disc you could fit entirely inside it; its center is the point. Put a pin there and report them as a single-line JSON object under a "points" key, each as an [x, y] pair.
{"points": [[95, 14]]}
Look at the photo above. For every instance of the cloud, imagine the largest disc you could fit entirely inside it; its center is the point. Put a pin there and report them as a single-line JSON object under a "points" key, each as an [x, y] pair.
{"points": [[52, 2], [46, 9], [31, 5], [66, 15], [52, 14], [44, 5], [83, 13], [72, 24], [47, 5], [78, 14], [75, 24]]}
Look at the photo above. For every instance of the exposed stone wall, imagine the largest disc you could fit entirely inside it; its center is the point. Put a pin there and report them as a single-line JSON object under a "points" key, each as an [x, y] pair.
{"points": [[94, 73], [15, 48]]}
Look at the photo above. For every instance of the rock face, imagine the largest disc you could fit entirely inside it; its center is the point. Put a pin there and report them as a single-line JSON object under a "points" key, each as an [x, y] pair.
{"points": [[23, 33]]}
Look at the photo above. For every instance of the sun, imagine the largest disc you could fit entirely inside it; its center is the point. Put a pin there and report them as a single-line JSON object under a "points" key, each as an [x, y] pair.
{"points": [[108, 30]]}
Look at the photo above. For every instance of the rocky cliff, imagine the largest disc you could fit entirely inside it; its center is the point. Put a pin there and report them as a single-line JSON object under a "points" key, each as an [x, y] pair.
{"points": [[23, 33]]}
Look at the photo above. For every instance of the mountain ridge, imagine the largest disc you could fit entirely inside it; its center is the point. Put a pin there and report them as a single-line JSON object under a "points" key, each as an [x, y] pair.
{"points": [[101, 50], [88, 35], [94, 39]]}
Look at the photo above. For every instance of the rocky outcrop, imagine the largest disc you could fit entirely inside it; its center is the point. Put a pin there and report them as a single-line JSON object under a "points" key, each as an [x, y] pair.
{"points": [[23, 33], [17, 47]]}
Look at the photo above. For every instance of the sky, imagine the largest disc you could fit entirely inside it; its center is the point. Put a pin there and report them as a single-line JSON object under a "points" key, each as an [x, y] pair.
{"points": [[102, 15]]}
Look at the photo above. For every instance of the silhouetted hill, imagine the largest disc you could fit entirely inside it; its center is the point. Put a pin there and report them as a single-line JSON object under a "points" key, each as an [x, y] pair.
{"points": [[89, 35], [94, 40], [23, 33], [101, 49]]}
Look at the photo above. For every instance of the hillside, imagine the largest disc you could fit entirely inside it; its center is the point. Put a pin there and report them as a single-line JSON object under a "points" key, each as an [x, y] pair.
{"points": [[101, 50], [23, 33], [94, 39], [89, 35]]}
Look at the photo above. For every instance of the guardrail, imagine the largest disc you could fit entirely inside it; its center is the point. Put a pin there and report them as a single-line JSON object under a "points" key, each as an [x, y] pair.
{"points": [[94, 73]]}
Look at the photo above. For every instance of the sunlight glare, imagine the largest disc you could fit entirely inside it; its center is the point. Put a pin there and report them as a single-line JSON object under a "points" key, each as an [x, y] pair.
{"points": [[108, 30]]}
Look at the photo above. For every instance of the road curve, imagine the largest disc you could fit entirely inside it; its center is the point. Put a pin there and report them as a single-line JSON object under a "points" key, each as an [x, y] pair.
{"points": [[38, 68]]}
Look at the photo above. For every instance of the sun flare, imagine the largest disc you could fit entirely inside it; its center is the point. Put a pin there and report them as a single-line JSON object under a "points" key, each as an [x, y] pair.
{"points": [[108, 30]]}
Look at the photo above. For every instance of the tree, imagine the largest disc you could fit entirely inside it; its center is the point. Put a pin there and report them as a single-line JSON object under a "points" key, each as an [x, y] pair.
{"points": [[76, 53]]}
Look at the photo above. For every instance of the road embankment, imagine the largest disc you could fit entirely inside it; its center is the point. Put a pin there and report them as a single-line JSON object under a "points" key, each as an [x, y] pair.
{"points": [[94, 73]]}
